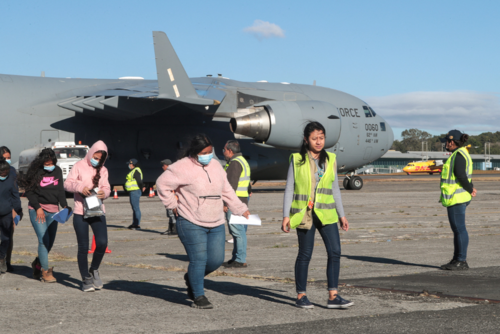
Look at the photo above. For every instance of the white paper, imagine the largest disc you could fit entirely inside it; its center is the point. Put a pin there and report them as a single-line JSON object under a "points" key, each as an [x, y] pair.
{"points": [[92, 202], [252, 220]]}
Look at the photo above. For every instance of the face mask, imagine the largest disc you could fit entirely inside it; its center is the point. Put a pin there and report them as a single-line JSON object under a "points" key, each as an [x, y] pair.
{"points": [[94, 162], [130, 167], [49, 169], [9, 161], [205, 159], [3, 178]]}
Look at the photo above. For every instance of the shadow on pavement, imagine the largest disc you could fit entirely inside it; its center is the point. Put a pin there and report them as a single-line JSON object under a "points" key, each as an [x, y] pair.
{"points": [[180, 257], [141, 230], [231, 288], [62, 278], [387, 261], [166, 292]]}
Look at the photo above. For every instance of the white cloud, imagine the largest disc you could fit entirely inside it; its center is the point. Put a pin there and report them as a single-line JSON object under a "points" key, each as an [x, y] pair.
{"points": [[471, 112], [262, 29]]}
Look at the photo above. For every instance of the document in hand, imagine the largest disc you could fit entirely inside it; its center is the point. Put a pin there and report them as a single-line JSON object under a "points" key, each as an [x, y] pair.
{"points": [[252, 220], [63, 215], [17, 219], [92, 201]]}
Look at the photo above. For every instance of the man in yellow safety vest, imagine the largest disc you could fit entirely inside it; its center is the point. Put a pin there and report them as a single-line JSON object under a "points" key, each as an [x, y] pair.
{"points": [[238, 175]]}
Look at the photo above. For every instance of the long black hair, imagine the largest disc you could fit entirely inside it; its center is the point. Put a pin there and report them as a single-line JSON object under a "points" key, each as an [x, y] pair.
{"points": [[97, 176], [197, 144], [35, 170], [3, 150], [310, 128], [4, 165]]}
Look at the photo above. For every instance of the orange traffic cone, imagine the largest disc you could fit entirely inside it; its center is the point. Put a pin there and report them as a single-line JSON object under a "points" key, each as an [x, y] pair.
{"points": [[92, 249], [151, 192], [116, 195]]}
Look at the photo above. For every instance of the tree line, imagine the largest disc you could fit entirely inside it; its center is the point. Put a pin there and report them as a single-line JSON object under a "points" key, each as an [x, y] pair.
{"points": [[412, 140]]}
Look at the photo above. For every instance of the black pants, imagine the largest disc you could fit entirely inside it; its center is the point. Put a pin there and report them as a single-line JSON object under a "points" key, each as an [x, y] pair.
{"points": [[6, 228], [100, 230]]}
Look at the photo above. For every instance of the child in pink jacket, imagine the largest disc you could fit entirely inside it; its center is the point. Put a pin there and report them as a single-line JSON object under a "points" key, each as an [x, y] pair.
{"points": [[201, 186], [86, 175]]}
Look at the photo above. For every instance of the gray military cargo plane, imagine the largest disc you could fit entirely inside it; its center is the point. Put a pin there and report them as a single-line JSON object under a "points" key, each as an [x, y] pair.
{"points": [[152, 120]]}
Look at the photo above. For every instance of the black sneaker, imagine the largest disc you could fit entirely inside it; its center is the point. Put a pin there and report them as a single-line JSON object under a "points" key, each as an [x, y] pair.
{"points": [[189, 289], [339, 302], [134, 227], [303, 302], [448, 264], [234, 264], [37, 268], [202, 302], [457, 265]]}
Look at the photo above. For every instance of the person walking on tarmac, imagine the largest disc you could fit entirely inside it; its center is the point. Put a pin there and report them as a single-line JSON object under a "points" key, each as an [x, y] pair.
{"points": [[202, 187], [44, 187], [135, 188], [5, 152], [87, 175], [10, 206], [457, 191], [313, 202], [238, 175], [172, 228]]}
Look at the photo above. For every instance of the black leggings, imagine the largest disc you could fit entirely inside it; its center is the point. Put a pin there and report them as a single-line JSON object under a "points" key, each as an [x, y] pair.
{"points": [[100, 230]]}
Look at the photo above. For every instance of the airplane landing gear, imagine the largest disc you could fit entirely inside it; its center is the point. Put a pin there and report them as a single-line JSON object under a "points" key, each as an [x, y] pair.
{"points": [[353, 182]]}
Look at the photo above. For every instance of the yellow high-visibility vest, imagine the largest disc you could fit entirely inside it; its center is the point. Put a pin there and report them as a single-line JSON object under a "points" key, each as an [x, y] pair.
{"points": [[244, 181], [452, 192], [324, 203], [131, 183]]}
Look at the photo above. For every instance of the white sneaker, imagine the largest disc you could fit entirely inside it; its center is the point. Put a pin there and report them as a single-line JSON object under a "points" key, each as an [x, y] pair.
{"points": [[230, 241]]}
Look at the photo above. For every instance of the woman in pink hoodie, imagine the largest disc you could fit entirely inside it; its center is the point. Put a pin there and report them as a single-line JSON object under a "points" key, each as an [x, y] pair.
{"points": [[86, 175], [201, 186]]}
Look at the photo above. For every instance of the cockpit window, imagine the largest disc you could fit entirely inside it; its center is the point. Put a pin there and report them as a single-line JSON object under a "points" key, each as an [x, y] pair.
{"points": [[367, 112], [382, 126], [373, 112]]}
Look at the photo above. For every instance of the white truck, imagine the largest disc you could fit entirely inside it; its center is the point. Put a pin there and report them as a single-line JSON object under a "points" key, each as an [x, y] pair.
{"points": [[67, 153]]}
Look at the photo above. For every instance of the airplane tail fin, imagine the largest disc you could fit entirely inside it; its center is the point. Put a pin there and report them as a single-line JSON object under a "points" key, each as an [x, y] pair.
{"points": [[173, 81]]}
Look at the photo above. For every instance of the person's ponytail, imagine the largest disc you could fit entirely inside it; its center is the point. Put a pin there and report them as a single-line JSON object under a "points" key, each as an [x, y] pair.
{"points": [[463, 139]]}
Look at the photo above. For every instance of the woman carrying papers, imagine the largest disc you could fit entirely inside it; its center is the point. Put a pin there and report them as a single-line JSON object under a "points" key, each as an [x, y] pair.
{"points": [[88, 180], [44, 188], [201, 185], [312, 202]]}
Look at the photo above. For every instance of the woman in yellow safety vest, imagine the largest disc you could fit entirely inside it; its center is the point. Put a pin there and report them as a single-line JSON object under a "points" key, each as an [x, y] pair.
{"points": [[313, 202], [457, 191], [135, 188]]}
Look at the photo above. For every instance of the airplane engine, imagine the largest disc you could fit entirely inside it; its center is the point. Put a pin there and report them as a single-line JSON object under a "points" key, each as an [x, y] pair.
{"points": [[281, 123]]}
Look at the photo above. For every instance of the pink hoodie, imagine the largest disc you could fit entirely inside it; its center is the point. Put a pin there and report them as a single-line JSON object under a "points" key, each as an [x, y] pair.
{"points": [[191, 182], [81, 176]]}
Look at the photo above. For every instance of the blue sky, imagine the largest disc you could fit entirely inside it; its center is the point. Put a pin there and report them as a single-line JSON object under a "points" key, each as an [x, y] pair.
{"points": [[432, 65]]}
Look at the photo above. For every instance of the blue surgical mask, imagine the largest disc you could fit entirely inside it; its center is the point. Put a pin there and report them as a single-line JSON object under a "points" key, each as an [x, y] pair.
{"points": [[3, 178], [49, 169], [205, 159], [94, 162], [9, 162]]}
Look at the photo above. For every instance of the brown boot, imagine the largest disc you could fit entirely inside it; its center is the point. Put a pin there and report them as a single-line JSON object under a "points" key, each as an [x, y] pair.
{"points": [[47, 276]]}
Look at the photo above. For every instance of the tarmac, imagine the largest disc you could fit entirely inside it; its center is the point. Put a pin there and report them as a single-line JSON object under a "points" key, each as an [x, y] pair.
{"points": [[399, 237]]}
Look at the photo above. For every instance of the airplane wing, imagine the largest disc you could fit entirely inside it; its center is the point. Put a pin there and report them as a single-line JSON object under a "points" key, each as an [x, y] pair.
{"points": [[133, 99]]}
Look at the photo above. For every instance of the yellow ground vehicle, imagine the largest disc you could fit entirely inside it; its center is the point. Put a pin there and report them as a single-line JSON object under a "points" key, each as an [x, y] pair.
{"points": [[431, 167]]}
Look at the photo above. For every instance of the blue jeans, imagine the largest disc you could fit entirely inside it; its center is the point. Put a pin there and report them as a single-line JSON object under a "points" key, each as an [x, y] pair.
{"points": [[135, 196], [100, 231], [205, 249], [239, 233], [46, 234], [456, 216], [331, 238]]}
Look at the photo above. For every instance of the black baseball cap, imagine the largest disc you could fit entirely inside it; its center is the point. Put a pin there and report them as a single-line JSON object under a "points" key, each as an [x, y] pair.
{"points": [[452, 135], [132, 161]]}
